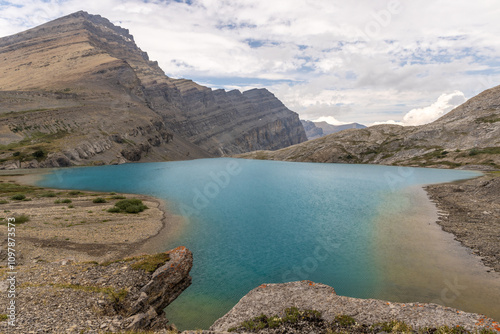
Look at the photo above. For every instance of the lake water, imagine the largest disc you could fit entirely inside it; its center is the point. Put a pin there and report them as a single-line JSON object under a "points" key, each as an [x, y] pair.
{"points": [[358, 228]]}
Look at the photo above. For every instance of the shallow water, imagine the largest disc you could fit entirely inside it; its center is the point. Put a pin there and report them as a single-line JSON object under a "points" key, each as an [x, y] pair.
{"points": [[421, 262], [253, 222]]}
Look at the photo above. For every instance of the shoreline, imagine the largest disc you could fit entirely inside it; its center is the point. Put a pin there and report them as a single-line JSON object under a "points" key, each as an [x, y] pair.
{"points": [[470, 211], [416, 255], [149, 229]]}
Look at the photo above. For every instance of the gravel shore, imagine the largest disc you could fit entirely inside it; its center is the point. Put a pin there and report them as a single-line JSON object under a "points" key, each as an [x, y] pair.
{"points": [[470, 210]]}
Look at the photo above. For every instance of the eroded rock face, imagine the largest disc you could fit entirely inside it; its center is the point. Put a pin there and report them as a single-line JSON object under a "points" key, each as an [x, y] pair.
{"points": [[467, 135], [145, 310], [81, 87]]}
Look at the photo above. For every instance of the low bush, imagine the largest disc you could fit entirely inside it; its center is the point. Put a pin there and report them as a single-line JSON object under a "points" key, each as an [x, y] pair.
{"points": [[21, 219], [99, 200], [18, 197], [132, 205], [66, 200]]}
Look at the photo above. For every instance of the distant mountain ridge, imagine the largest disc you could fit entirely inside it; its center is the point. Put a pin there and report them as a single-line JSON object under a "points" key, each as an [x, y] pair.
{"points": [[468, 135], [78, 90], [316, 130]]}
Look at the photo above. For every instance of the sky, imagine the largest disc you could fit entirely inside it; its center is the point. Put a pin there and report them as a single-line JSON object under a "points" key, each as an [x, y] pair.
{"points": [[368, 61]]}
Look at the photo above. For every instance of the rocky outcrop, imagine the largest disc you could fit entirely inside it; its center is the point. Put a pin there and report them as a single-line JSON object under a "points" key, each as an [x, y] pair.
{"points": [[273, 299], [116, 296], [468, 135], [79, 89], [166, 284]]}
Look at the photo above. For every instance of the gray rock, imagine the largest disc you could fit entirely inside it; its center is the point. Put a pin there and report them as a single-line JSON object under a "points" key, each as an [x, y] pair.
{"points": [[273, 299]]}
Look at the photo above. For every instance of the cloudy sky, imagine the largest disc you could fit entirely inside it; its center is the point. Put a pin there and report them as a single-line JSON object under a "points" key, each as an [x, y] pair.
{"points": [[360, 61]]}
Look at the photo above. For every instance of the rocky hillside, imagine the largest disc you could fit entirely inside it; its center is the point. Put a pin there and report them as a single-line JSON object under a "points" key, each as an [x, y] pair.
{"points": [[316, 130], [468, 135], [78, 90]]}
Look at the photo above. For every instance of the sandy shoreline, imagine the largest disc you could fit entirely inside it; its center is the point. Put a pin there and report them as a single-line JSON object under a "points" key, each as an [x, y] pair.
{"points": [[82, 230]]}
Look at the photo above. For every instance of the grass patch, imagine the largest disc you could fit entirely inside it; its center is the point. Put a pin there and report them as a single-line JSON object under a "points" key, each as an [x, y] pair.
{"points": [[21, 219], [74, 192], [485, 150], [488, 119], [48, 194], [66, 201], [33, 141], [99, 200], [18, 197], [151, 263], [4, 201], [132, 205], [292, 315], [118, 197], [3, 317]]}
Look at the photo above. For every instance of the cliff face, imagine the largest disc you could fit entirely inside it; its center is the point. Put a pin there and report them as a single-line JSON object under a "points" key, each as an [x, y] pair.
{"points": [[468, 135], [316, 130], [78, 90]]}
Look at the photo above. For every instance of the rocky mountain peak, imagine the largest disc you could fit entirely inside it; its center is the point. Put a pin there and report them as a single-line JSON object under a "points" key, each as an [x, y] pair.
{"points": [[78, 90]]}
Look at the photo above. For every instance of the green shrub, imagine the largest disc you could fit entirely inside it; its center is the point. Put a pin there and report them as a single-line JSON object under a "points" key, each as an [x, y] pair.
{"points": [[57, 201], [132, 205], [21, 219], [38, 154], [18, 197], [4, 202], [99, 200], [66, 201], [3, 317], [71, 206], [473, 152], [48, 194], [345, 320], [114, 209], [74, 192]]}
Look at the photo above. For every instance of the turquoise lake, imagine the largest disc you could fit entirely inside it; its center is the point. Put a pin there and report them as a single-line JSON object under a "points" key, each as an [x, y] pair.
{"points": [[253, 222]]}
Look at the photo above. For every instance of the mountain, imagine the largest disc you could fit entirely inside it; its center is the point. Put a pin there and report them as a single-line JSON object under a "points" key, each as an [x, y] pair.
{"points": [[316, 130], [467, 135], [78, 91]]}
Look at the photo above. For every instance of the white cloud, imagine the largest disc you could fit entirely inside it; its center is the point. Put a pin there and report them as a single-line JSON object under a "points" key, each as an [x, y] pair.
{"points": [[420, 116], [444, 104], [330, 120], [355, 61]]}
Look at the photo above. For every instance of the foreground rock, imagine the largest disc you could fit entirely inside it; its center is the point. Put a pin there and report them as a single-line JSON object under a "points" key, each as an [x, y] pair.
{"points": [[471, 211], [71, 297], [273, 299]]}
